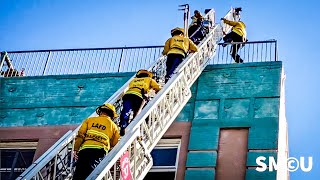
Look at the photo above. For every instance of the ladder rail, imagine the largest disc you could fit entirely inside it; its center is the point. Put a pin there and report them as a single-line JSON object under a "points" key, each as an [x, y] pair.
{"points": [[229, 16], [167, 97], [46, 157], [115, 154], [176, 88], [134, 131]]}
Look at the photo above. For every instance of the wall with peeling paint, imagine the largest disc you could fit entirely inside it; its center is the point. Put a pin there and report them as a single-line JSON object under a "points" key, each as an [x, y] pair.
{"points": [[55, 100], [233, 97], [225, 96]]}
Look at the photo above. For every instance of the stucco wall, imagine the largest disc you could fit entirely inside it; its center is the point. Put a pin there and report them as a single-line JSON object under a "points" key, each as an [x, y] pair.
{"points": [[225, 96], [233, 96], [55, 100]]}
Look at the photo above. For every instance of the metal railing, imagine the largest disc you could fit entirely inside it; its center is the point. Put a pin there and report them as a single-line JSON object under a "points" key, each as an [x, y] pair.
{"points": [[126, 59], [154, 120], [140, 155], [83, 61], [254, 51], [56, 163], [161, 112], [118, 59]]}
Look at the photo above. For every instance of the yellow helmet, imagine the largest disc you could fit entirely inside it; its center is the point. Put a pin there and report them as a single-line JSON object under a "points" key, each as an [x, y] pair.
{"points": [[109, 107], [177, 29], [143, 71]]}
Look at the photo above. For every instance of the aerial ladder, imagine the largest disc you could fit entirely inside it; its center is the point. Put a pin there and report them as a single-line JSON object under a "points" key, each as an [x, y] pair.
{"points": [[141, 135]]}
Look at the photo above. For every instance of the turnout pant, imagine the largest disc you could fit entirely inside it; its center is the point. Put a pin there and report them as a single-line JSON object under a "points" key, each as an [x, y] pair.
{"points": [[192, 29], [173, 61], [130, 102], [199, 34], [234, 37], [88, 159]]}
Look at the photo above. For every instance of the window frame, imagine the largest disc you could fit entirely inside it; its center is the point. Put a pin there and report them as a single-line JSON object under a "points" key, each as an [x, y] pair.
{"points": [[168, 144], [16, 146]]}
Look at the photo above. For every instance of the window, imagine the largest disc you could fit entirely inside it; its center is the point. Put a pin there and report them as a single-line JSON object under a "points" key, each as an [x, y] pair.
{"points": [[165, 160], [15, 157]]}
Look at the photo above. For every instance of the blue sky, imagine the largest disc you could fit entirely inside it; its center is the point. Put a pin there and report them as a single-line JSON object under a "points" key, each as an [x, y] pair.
{"points": [[58, 24]]}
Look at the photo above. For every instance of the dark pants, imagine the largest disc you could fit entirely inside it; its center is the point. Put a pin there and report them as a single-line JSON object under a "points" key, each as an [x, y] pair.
{"points": [[192, 29], [234, 37], [88, 160], [130, 102], [173, 61], [199, 34]]}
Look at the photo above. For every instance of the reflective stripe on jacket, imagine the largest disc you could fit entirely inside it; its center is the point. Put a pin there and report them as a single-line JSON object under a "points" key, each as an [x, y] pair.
{"points": [[97, 132], [179, 45], [145, 83]]}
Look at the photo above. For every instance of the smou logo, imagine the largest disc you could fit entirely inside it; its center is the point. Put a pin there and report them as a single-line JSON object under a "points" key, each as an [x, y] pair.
{"points": [[293, 164]]}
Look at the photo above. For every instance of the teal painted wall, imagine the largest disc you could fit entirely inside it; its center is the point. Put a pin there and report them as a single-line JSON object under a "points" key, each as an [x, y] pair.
{"points": [[55, 100], [231, 96], [224, 96]]}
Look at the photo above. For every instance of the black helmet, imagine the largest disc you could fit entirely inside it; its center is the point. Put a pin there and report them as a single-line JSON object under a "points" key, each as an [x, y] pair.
{"points": [[237, 10]]}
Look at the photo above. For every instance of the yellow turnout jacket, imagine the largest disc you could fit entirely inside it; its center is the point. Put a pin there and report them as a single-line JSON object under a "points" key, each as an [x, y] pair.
{"points": [[145, 83], [179, 45], [97, 132], [237, 27]]}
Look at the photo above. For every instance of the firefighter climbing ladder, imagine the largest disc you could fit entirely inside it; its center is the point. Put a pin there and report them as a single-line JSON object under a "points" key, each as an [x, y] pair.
{"points": [[141, 135]]}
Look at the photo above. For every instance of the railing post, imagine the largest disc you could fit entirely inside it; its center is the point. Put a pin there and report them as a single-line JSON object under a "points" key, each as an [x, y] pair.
{"points": [[186, 16], [275, 52], [45, 65], [3, 57], [120, 60]]}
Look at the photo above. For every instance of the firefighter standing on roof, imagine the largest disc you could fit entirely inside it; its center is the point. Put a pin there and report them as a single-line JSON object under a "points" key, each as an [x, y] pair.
{"points": [[176, 49], [237, 34], [94, 139], [134, 98]]}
